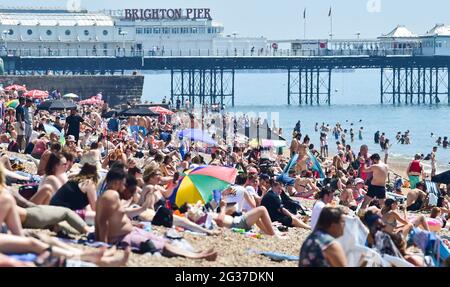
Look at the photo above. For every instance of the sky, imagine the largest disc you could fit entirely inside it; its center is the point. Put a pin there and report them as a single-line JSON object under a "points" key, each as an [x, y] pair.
{"points": [[283, 19]]}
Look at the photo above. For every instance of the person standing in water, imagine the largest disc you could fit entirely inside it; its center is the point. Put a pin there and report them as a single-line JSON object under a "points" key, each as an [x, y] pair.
{"points": [[382, 140], [360, 133], [387, 146], [376, 137], [445, 142]]}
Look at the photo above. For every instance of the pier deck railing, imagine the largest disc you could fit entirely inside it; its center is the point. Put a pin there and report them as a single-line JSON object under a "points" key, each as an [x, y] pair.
{"points": [[207, 53]]}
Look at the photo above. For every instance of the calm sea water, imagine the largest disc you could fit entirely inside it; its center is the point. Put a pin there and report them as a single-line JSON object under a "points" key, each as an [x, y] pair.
{"points": [[355, 97]]}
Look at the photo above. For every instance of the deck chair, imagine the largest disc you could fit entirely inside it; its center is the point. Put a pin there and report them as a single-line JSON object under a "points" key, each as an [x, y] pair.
{"points": [[433, 193], [435, 247]]}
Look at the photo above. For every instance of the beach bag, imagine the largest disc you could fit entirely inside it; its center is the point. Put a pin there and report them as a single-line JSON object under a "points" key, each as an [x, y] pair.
{"points": [[292, 205], [163, 217]]}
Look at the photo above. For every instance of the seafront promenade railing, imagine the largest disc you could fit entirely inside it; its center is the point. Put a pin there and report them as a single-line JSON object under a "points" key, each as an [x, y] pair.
{"points": [[207, 53]]}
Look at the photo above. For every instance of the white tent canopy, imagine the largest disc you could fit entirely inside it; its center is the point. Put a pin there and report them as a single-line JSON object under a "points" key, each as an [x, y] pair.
{"points": [[400, 32], [439, 30]]}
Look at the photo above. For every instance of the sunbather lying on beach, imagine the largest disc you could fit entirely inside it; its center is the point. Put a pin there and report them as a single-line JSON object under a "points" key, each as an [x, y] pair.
{"points": [[13, 244], [305, 185], [257, 216], [112, 224], [144, 213]]}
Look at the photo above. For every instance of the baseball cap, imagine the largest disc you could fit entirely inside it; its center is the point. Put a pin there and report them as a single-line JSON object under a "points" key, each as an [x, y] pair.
{"points": [[71, 138], [359, 180]]}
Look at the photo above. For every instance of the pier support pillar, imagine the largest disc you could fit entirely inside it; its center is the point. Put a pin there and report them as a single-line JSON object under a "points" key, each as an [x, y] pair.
{"points": [[203, 86], [425, 83], [310, 86]]}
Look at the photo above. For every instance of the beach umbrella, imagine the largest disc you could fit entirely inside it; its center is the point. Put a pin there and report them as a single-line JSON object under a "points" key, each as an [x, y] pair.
{"points": [[91, 101], [70, 96], [273, 143], [197, 135], [442, 178], [137, 111], [51, 129], [57, 105], [109, 114], [200, 183], [37, 94], [12, 104], [162, 111], [15, 88]]}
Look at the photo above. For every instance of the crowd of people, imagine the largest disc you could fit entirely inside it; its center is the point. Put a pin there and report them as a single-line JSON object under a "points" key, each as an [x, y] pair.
{"points": [[103, 177]]}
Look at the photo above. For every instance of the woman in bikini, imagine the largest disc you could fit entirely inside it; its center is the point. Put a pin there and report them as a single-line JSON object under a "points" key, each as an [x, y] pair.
{"points": [[305, 185], [391, 217]]}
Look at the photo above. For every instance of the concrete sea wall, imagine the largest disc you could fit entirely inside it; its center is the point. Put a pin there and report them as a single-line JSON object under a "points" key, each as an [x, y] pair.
{"points": [[115, 89]]}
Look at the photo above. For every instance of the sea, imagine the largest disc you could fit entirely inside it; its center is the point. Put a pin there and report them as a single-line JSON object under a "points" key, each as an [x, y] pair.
{"points": [[355, 103]]}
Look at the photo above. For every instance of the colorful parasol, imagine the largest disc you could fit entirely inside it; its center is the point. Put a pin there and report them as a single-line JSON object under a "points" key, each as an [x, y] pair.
{"points": [[51, 129], [12, 104], [15, 88], [162, 111], [92, 101], [197, 135], [37, 94], [200, 183], [70, 96]]}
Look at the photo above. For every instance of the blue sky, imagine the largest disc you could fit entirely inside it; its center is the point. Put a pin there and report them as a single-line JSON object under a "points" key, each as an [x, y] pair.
{"points": [[283, 19]]}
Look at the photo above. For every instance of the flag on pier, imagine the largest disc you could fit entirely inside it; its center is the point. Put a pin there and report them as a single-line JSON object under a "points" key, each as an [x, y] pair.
{"points": [[304, 14], [329, 12]]}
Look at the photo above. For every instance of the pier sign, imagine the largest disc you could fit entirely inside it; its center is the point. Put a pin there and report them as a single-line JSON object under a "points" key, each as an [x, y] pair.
{"points": [[171, 14]]}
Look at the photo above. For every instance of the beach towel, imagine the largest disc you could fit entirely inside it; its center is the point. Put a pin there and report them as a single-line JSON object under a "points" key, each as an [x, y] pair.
{"points": [[26, 257], [276, 256], [432, 187]]}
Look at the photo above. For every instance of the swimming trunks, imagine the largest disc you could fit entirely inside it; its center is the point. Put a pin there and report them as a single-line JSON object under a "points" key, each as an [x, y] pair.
{"points": [[376, 191]]}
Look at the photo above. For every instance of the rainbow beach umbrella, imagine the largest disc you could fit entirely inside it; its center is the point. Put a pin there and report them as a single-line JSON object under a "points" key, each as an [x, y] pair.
{"points": [[199, 184], [12, 104]]}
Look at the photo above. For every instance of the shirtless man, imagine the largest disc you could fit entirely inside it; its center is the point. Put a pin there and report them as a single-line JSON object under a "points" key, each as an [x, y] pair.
{"points": [[377, 186], [112, 224], [337, 160], [416, 197]]}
